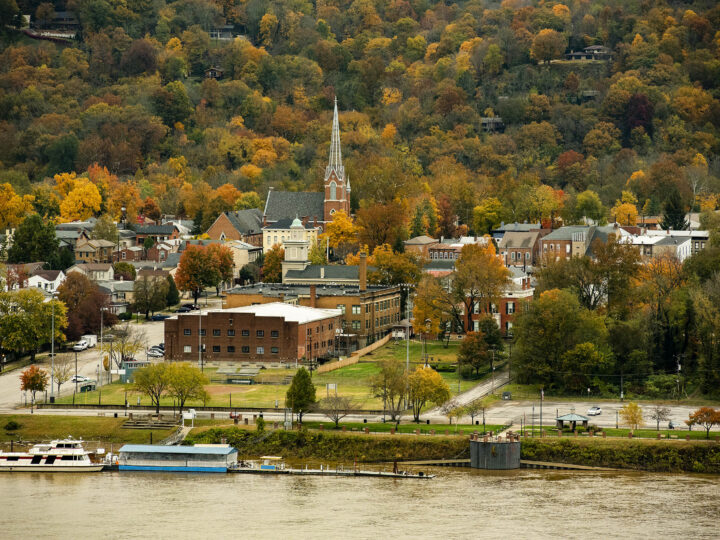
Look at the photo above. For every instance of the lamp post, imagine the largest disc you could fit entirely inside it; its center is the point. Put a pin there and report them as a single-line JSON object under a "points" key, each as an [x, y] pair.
{"points": [[200, 359], [52, 350]]}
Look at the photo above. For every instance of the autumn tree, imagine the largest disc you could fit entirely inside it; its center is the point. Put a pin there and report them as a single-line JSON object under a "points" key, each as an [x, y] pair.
{"points": [[632, 415], [185, 382], [473, 353], [63, 371], [548, 45], [480, 277], [272, 266], [153, 381], [150, 294], [488, 215], [33, 380], [706, 417], [391, 384], [84, 302], [659, 413], [380, 224], [105, 229], [195, 272], [425, 385], [300, 397], [13, 207], [342, 235], [220, 259]]}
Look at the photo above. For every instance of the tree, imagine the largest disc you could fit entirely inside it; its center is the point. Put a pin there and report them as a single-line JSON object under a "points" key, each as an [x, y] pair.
{"points": [[392, 268], [480, 277], [185, 382], [432, 302], [674, 212], [84, 302], [150, 294], [300, 397], [390, 384], [660, 414], [474, 408], [221, 261], [706, 417], [82, 202], [473, 352], [153, 381], [487, 215], [548, 45], [425, 385], [173, 296], [26, 321], [588, 205], [341, 233], [127, 341], [63, 372], [452, 409], [34, 240], [13, 207], [33, 380], [632, 415], [625, 214], [105, 229], [195, 271], [380, 224], [337, 407], [272, 267]]}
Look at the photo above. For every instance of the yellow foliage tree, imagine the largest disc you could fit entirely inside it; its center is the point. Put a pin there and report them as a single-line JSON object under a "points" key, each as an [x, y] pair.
{"points": [[391, 96], [81, 203], [13, 207], [626, 214], [228, 193], [268, 29], [388, 134]]}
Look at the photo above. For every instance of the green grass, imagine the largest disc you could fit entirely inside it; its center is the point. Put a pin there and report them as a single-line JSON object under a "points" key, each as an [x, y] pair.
{"points": [[352, 381], [39, 427], [680, 434], [376, 427]]}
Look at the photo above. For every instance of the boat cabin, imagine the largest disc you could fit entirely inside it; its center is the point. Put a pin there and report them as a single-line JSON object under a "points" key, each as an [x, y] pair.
{"points": [[199, 458]]}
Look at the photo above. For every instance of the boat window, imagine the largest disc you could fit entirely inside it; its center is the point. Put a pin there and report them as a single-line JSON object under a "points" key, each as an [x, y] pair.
{"points": [[12, 458], [67, 458], [36, 460], [50, 460]]}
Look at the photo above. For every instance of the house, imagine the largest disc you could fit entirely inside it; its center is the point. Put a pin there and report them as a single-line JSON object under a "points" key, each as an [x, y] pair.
{"points": [[577, 240], [497, 234], [315, 208], [420, 245], [214, 73], [243, 253], [121, 294], [514, 297], [18, 274], [274, 333], [520, 248], [699, 238], [158, 233], [243, 225], [451, 248], [594, 52], [285, 229], [492, 124], [94, 250], [94, 271], [47, 280], [130, 254], [161, 251]]}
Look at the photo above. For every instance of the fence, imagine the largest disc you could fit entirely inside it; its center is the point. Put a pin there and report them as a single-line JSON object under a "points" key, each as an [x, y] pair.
{"points": [[354, 357]]}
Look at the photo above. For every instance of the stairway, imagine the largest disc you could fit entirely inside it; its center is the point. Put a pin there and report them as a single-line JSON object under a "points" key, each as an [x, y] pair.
{"points": [[149, 422]]}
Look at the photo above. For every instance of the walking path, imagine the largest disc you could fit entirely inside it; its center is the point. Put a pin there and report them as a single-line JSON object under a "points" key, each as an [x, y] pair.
{"points": [[483, 389]]}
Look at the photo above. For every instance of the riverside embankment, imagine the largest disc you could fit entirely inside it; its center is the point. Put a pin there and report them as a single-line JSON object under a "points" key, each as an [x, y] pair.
{"points": [[641, 455]]}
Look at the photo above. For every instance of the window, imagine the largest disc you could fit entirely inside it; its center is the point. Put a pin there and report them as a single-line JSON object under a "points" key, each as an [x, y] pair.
{"points": [[216, 348], [216, 332], [245, 333], [231, 348], [274, 333], [367, 308], [512, 255], [527, 254], [187, 332], [341, 307], [356, 309], [356, 325], [187, 349], [333, 191], [510, 308], [245, 349], [274, 350], [697, 245], [230, 332], [260, 333], [124, 254], [202, 332], [260, 350], [552, 247], [230, 321], [567, 248]]}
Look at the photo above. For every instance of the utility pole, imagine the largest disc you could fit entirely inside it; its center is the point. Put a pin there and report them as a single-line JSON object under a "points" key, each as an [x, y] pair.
{"points": [[533, 420], [542, 397], [200, 360], [52, 351]]}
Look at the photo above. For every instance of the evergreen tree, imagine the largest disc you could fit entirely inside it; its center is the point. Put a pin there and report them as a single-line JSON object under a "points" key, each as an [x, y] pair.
{"points": [[34, 240], [417, 227], [674, 213], [300, 396], [173, 296]]}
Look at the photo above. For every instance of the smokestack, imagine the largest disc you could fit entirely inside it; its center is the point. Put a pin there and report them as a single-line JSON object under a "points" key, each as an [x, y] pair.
{"points": [[362, 271], [312, 296]]}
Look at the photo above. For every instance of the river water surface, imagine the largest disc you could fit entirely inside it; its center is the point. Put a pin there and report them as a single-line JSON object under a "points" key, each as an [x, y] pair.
{"points": [[458, 503]]}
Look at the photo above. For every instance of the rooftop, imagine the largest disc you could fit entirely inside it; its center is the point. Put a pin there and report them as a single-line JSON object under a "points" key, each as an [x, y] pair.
{"points": [[286, 223], [277, 290], [246, 221], [420, 241], [519, 239], [288, 204], [152, 448], [298, 314]]}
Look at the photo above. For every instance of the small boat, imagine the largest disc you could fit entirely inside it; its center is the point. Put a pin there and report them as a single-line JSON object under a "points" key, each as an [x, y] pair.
{"points": [[276, 465], [63, 455]]}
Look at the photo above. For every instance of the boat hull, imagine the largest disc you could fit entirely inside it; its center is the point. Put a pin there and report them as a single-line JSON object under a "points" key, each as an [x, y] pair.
{"points": [[52, 468]]}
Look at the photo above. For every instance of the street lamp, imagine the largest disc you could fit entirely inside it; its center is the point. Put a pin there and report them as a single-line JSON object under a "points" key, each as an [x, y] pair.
{"points": [[52, 349], [200, 359]]}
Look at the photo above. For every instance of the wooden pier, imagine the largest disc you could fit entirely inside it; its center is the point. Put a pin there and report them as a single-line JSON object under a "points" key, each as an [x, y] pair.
{"points": [[524, 464]]}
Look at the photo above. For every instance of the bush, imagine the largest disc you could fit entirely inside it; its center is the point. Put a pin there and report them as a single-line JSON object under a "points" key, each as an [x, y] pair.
{"points": [[126, 316], [467, 372], [12, 425]]}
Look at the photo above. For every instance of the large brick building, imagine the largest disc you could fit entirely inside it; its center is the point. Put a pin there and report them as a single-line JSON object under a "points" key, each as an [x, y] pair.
{"points": [[274, 333]]}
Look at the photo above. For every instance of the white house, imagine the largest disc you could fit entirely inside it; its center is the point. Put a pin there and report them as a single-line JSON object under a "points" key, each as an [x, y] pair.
{"points": [[95, 271], [47, 280]]}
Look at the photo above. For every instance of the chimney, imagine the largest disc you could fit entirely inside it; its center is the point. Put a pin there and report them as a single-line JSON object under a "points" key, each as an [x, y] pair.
{"points": [[312, 296], [362, 271], [322, 272]]}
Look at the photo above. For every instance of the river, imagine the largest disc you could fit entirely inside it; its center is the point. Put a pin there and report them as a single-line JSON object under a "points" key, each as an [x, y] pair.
{"points": [[458, 503]]}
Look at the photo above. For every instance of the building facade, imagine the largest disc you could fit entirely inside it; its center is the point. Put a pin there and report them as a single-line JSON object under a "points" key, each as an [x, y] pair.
{"points": [[273, 333]]}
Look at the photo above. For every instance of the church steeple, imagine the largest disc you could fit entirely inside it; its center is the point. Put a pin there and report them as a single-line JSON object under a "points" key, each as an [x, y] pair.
{"points": [[335, 162]]}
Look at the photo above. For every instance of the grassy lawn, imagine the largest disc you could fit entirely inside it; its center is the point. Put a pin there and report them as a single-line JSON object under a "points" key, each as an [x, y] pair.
{"points": [[353, 381], [403, 428], [91, 428], [680, 434]]}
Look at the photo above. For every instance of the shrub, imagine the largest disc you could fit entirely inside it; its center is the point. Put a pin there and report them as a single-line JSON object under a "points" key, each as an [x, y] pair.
{"points": [[126, 316], [12, 425]]}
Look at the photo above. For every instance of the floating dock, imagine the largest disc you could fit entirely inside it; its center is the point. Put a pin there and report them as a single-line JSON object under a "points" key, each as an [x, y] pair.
{"points": [[332, 472], [524, 464]]}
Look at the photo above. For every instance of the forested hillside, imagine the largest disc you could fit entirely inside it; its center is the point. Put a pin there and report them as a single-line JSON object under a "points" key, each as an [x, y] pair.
{"points": [[413, 79]]}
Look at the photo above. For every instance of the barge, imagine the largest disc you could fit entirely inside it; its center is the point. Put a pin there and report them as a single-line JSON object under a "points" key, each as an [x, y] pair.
{"points": [[214, 458]]}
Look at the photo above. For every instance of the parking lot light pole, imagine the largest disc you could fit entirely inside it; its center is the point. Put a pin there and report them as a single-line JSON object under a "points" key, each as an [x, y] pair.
{"points": [[52, 349]]}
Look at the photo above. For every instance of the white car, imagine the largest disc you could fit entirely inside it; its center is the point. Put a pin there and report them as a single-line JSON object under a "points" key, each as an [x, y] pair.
{"points": [[79, 379], [81, 345], [594, 411], [154, 353]]}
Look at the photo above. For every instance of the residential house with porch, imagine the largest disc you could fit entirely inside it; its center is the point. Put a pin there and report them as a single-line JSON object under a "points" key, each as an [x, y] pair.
{"points": [[47, 280]]}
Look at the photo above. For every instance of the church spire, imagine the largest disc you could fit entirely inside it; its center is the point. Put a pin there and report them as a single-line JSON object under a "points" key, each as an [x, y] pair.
{"points": [[335, 162]]}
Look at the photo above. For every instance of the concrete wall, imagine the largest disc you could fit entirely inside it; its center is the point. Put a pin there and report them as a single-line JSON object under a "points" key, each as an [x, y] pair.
{"points": [[494, 455]]}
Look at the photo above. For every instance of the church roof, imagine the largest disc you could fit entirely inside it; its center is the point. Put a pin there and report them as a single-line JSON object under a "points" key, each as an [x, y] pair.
{"points": [[288, 204], [335, 162]]}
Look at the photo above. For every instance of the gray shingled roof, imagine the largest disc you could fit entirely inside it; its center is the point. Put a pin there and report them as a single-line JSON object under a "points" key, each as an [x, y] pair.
{"points": [[154, 229], [507, 227], [288, 204], [246, 221], [519, 239], [332, 271], [566, 233], [285, 223]]}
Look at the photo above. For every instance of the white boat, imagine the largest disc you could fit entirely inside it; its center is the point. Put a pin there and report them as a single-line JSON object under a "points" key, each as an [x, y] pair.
{"points": [[64, 455]]}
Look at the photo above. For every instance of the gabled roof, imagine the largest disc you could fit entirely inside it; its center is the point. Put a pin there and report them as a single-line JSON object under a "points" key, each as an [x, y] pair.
{"points": [[519, 239], [572, 417], [331, 272], [566, 233], [420, 241], [507, 227], [288, 204], [286, 223], [246, 221], [92, 267], [48, 275], [154, 229]]}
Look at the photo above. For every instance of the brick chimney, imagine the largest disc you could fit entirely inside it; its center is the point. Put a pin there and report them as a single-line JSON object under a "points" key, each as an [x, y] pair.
{"points": [[313, 296], [362, 271]]}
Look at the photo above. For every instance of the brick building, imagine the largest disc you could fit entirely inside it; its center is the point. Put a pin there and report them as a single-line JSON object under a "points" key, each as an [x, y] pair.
{"points": [[274, 333], [243, 225]]}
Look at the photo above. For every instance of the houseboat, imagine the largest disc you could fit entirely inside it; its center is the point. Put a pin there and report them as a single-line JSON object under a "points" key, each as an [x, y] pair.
{"points": [[198, 458], [66, 455]]}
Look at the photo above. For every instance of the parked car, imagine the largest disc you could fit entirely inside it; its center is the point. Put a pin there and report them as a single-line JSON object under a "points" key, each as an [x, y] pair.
{"points": [[159, 317], [81, 345], [154, 353], [78, 379], [190, 306], [183, 309], [160, 346], [594, 411]]}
